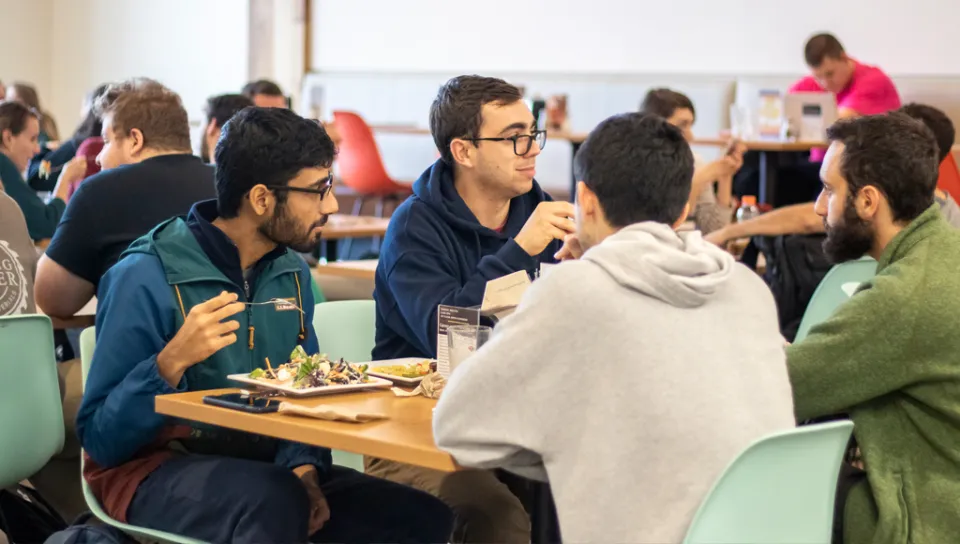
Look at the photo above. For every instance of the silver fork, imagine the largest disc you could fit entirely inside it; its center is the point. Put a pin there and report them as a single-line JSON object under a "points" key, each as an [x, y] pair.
{"points": [[275, 302]]}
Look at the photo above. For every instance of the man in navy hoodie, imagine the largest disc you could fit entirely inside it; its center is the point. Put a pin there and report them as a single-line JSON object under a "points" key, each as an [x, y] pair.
{"points": [[475, 215], [186, 306]]}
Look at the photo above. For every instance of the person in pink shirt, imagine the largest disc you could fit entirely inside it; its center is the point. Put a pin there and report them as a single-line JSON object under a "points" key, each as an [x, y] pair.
{"points": [[861, 89]]}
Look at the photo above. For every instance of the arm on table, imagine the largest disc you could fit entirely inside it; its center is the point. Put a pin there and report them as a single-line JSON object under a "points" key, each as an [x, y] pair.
{"points": [[58, 292], [856, 355], [70, 267], [796, 219]]}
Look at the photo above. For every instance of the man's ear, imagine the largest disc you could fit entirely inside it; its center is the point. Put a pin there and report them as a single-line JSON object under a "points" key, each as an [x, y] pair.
{"points": [[261, 199], [868, 202], [213, 129], [137, 141], [463, 152]]}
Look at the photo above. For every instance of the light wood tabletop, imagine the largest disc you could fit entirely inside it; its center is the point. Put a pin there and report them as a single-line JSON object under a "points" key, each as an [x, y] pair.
{"points": [[406, 437], [354, 226], [364, 270]]}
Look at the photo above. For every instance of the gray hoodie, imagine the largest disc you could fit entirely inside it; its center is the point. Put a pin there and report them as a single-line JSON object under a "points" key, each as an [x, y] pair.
{"points": [[629, 379]]}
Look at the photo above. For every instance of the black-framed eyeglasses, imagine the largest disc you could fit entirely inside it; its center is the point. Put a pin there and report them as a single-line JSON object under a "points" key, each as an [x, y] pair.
{"points": [[323, 191], [521, 142]]}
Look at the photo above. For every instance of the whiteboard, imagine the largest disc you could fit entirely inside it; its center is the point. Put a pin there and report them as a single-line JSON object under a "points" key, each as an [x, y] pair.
{"points": [[735, 37]]}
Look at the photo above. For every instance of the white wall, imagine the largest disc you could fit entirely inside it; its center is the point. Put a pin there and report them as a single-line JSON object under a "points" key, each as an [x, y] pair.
{"points": [[198, 48], [27, 42], [733, 37]]}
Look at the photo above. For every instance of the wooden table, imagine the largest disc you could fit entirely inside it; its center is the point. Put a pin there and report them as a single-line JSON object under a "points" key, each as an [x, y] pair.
{"points": [[406, 437], [340, 226], [364, 270]]}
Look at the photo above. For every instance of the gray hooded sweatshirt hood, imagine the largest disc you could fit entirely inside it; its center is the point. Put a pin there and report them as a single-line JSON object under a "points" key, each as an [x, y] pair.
{"points": [[629, 379]]}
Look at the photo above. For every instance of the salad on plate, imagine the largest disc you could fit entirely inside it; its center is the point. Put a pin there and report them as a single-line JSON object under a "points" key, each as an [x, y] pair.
{"points": [[309, 371]]}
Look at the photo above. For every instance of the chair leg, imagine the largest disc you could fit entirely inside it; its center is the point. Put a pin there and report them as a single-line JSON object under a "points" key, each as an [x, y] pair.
{"points": [[358, 205]]}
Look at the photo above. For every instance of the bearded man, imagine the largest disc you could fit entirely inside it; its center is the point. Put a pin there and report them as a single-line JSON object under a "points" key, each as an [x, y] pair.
{"points": [[889, 358]]}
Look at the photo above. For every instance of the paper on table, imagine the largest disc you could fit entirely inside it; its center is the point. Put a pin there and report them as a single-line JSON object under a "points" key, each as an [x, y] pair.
{"points": [[329, 412], [502, 295]]}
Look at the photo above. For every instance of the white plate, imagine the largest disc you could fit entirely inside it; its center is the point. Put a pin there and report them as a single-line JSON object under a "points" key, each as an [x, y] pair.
{"points": [[390, 362], [374, 383]]}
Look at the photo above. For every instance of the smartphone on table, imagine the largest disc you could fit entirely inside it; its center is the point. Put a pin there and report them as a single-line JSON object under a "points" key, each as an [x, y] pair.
{"points": [[243, 402]]}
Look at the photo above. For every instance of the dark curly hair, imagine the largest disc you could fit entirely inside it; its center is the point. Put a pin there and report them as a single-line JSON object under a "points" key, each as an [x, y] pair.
{"points": [[457, 112], [267, 146], [895, 153]]}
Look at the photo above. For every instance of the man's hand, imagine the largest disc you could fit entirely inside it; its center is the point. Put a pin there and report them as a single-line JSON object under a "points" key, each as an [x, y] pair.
{"points": [[550, 221], [71, 173], [203, 333], [571, 249], [319, 509]]}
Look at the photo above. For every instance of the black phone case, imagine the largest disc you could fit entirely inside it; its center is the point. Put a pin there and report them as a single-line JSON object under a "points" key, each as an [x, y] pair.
{"points": [[271, 406]]}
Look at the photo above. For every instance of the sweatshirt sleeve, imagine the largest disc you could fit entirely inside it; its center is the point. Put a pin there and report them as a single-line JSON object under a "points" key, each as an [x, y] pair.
{"points": [[858, 354], [41, 218], [424, 277], [134, 322], [293, 454], [500, 403]]}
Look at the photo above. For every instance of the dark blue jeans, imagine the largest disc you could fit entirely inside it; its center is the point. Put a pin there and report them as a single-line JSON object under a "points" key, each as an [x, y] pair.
{"points": [[222, 499]]}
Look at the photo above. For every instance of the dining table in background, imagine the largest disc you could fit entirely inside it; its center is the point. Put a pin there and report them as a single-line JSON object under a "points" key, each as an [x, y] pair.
{"points": [[769, 152], [342, 226]]}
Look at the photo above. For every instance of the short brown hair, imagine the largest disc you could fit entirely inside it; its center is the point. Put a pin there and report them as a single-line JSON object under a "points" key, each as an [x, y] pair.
{"points": [[14, 115], [664, 102], [457, 110], [148, 106], [821, 46]]}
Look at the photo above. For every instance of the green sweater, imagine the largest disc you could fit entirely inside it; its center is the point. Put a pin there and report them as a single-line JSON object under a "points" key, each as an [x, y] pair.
{"points": [[890, 358], [42, 219]]}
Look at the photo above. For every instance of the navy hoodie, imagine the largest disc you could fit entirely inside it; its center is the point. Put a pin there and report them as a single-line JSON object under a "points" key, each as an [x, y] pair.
{"points": [[436, 252]]}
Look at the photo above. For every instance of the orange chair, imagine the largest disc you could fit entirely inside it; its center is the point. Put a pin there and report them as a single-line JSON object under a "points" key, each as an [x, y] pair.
{"points": [[949, 180], [361, 167]]}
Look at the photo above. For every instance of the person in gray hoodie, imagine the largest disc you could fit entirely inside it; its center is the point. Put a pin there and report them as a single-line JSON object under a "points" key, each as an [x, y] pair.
{"points": [[628, 378]]}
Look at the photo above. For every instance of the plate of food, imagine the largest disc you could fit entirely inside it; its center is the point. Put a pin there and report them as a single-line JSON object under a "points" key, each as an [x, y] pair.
{"points": [[307, 375], [409, 371]]}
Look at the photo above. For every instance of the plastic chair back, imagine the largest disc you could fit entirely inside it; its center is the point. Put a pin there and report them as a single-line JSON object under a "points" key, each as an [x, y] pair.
{"points": [[780, 490], [358, 158], [87, 344], [949, 180], [346, 328], [836, 287], [31, 417]]}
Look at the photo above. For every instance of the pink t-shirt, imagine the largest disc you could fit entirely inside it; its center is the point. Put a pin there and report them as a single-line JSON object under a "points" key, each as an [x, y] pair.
{"points": [[870, 92]]}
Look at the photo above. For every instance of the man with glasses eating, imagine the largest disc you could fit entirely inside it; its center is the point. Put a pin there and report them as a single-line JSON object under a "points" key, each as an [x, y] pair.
{"points": [[189, 304], [475, 215]]}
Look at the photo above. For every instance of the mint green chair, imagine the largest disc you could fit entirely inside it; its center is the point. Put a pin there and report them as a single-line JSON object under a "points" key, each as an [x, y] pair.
{"points": [[318, 296], [836, 287], [87, 343], [780, 490], [31, 416], [346, 328]]}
